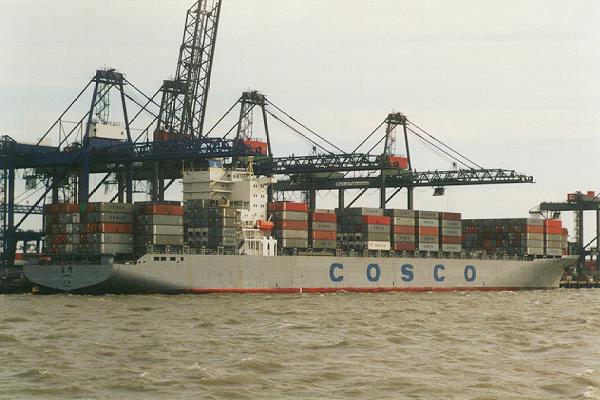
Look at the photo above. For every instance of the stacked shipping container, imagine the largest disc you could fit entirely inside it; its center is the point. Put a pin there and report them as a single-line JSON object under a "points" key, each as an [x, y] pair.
{"points": [[511, 236], [363, 228], [158, 224], [553, 237], [107, 228], [450, 232], [211, 225], [428, 237], [322, 229], [403, 229], [62, 227], [290, 224]]}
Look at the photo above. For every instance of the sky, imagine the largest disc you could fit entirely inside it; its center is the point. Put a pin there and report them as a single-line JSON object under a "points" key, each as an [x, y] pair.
{"points": [[511, 84]]}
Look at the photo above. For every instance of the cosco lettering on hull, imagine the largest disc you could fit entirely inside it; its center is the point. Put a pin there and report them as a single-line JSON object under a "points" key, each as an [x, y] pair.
{"points": [[373, 273]]}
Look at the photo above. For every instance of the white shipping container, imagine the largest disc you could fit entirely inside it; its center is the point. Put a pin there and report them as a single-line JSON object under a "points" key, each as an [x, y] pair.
{"points": [[553, 238], [409, 214], [451, 224], [535, 251], [535, 243], [378, 245], [324, 226], [289, 216], [161, 229], [451, 232], [403, 221], [404, 238], [554, 252], [452, 248], [429, 247], [428, 239], [427, 222], [290, 234], [428, 214], [554, 244]]}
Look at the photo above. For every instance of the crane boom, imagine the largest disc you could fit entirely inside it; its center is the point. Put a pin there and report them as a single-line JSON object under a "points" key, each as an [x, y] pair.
{"points": [[184, 98]]}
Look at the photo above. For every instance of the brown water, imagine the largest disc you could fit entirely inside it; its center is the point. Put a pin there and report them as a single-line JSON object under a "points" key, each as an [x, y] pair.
{"points": [[534, 345]]}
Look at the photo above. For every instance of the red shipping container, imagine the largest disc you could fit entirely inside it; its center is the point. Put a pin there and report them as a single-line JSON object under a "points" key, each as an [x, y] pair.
{"points": [[404, 246], [287, 206], [428, 230], [448, 216], [451, 240], [404, 230], [162, 209], [323, 217], [375, 220], [293, 225], [109, 228], [323, 235], [553, 230]]}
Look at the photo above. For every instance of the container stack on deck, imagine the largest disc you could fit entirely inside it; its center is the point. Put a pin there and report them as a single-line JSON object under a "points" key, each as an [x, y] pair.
{"points": [[61, 224], [107, 228], [428, 238], [158, 224], [553, 245], [290, 224], [363, 229], [322, 229], [403, 229], [450, 232], [211, 224], [509, 236], [564, 241]]}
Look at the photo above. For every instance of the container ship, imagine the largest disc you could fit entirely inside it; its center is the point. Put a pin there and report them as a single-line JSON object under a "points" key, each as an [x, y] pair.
{"points": [[227, 238]]}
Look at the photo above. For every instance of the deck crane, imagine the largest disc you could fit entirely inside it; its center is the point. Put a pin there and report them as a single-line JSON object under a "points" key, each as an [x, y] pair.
{"points": [[184, 98]]}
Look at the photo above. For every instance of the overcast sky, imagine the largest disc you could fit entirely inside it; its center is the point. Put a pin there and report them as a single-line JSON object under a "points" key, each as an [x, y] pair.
{"points": [[512, 84]]}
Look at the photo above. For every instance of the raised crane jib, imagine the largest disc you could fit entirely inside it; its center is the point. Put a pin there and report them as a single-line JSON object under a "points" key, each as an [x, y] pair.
{"points": [[184, 98]]}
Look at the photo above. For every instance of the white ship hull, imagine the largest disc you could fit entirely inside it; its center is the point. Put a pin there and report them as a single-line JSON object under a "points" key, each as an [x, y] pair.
{"points": [[178, 273]]}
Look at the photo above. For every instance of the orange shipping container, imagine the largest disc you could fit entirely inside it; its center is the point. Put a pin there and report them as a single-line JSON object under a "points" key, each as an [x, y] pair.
{"points": [[404, 230], [551, 230], [323, 235], [427, 230], [109, 228], [294, 225], [534, 229], [375, 220], [554, 223], [323, 217]]}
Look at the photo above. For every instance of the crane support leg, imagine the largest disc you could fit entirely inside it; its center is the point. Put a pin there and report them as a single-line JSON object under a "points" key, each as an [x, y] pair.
{"points": [[312, 199], [382, 192], [129, 183], [11, 239], [341, 201], [410, 198], [121, 186]]}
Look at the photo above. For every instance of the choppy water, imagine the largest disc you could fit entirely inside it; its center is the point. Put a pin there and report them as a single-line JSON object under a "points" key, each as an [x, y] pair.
{"points": [[535, 345]]}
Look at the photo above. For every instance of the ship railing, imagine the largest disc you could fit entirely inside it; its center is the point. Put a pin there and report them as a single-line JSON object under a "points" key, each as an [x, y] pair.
{"points": [[186, 250]]}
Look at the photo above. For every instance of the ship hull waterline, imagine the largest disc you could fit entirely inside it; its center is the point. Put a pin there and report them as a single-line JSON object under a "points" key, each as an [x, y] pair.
{"points": [[202, 274]]}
